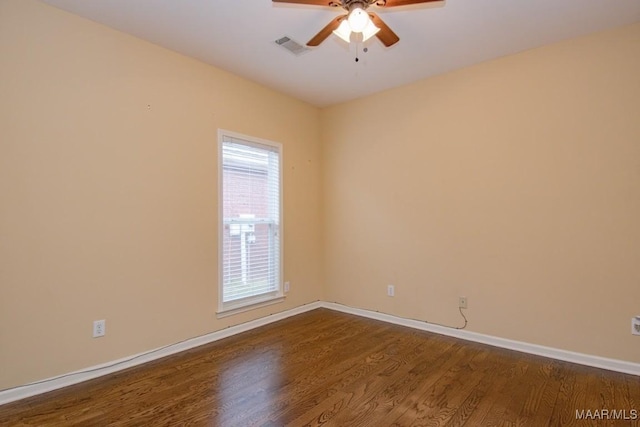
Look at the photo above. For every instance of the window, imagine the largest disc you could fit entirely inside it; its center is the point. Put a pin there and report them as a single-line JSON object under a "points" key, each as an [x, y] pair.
{"points": [[250, 222]]}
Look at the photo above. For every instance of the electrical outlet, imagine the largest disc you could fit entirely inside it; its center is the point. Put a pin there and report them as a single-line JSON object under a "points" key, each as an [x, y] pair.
{"points": [[635, 325], [391, 290], [462, 302], [99, 328], [287, 286]]}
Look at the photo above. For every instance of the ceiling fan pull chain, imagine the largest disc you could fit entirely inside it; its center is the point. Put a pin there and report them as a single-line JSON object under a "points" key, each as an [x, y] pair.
{"points": [[358, 40]]}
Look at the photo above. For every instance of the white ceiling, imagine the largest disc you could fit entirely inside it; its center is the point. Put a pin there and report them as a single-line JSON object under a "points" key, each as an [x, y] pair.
{"points": [[238, 36]]}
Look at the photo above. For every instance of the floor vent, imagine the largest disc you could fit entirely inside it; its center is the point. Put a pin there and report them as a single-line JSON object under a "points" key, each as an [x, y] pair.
{"points": [[292, 46]]}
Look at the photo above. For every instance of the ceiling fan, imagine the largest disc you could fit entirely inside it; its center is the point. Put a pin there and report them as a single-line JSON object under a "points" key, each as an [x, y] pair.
{"points": [[357, 19]]}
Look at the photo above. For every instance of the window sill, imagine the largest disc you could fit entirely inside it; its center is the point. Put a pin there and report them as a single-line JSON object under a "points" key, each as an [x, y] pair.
{"points": [[230, 310]]}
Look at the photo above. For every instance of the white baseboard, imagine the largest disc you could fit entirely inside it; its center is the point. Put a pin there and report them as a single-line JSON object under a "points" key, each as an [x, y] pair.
{"points": [[553, 353], [50, 384]]}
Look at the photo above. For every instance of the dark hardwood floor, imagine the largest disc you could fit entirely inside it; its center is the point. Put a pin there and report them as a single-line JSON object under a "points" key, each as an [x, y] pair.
{"points": [[329, 368]]}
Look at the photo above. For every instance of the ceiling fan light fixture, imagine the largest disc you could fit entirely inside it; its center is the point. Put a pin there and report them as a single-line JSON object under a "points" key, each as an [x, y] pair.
{"points": [[358, 19], [369, 31], [343, 31]]}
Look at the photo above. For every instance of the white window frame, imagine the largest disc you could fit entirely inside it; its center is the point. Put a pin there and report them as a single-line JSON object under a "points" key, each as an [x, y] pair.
{"points": [[250, 303]]}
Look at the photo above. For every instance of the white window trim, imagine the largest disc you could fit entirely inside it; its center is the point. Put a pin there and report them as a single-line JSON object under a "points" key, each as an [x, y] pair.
{"points": [[235, 307]]}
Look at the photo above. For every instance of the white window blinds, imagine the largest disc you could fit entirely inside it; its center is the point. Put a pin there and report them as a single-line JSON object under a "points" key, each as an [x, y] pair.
{"points": [[251, 220]]}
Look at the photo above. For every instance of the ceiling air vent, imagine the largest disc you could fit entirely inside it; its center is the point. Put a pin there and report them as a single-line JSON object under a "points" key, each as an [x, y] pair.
{"points": [[292, 46]]}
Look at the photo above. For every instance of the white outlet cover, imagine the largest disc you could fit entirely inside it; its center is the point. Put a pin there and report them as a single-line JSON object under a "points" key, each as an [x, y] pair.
{"points": [[635, 325], [462, 302], [99, 328], [391, 290]]}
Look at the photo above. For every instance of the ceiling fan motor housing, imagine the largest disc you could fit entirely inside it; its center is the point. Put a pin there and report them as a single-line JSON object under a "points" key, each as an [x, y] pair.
{"points": [[349, 5]]}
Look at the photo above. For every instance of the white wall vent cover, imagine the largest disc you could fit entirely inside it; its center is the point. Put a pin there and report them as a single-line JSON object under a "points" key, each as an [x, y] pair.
{"points": [[292, 46]]}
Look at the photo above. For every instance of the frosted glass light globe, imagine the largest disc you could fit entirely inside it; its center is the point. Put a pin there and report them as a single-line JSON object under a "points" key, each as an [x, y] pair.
{"points": [[358, 20]]}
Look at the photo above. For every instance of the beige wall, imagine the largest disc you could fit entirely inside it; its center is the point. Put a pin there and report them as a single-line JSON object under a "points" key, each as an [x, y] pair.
{"points": [[515, 183], [108, 191]]}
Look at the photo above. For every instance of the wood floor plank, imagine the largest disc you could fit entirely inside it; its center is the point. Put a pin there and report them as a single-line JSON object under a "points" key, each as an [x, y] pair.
{"points": [[540, 409], [370, 398], [372, 364], [571, 397], [421, 378], [438, 404], [333, 369], [499, 410], [527, 390], [395, 391], [316, 383], [296, 384], [633, 396], [501, 386]]}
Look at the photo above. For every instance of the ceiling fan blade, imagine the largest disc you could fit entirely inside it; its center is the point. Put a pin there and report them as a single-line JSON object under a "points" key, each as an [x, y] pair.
{"points": [[326, 31], [332, 3], [386, 34], [394, 3]]}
